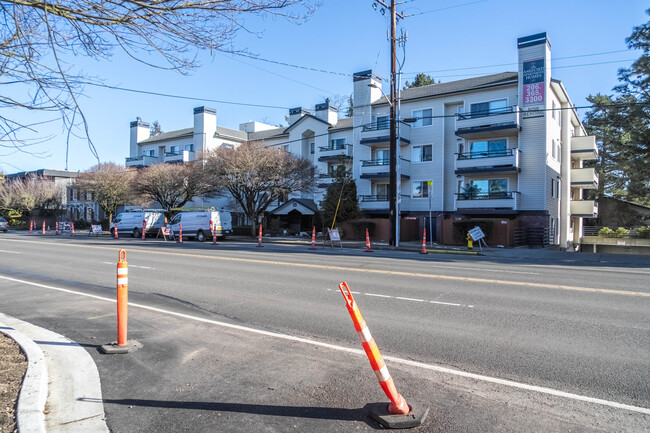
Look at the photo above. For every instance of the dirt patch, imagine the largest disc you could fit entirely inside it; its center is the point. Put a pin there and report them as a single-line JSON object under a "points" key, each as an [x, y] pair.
{"points": [[12, 369]]}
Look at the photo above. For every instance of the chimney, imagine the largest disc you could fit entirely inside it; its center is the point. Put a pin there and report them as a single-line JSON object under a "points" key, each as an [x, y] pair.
{"points": [[327, 112], [295, 114], [139, 131], [205, 128]]}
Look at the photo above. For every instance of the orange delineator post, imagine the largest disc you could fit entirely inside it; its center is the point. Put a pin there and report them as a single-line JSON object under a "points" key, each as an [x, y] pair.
{"points": [[424, 242], [213, 229], [117, 236], [180, 233], [31, 226], [398, 405], [368, 249], [313, 239], [144, 228], [259, 238], [122, 298], [57, 229], [43, 227], [71, 229]]}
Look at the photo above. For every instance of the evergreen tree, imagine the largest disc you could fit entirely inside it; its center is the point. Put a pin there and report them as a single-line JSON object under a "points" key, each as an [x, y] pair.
{"points": [[420, 80], [344, 188]]}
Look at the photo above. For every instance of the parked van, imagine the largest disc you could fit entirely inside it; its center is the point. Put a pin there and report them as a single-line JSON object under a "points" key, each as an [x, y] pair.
{"points": [[197, 224], [131, 222]]}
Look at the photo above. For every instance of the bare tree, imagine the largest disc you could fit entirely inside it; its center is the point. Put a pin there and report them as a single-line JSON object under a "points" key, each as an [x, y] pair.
{"points": [[40, 38], [110, 184], [256, 175], [22, 196], [173, 185]]}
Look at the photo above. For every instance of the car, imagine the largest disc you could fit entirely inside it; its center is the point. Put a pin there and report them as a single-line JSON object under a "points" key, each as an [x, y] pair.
{"points": [[4, 226]]}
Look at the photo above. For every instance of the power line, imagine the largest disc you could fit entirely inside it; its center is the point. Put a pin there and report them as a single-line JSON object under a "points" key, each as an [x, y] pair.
{"points": [[446, 8]]}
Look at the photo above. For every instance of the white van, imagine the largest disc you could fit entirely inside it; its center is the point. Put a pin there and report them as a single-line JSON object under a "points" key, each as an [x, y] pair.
{"points": [[131, 222], [197, 224]]}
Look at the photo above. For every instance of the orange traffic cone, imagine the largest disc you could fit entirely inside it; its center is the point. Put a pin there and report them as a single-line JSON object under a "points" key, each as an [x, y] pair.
{"points": [[71, 229], [424, 242], [180, 233], [117, 236], [368, 249], [259, 238], [313, 239]]}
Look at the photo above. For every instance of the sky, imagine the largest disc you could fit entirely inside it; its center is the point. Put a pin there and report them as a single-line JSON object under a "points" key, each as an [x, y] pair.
{"points": [[447, 39]]}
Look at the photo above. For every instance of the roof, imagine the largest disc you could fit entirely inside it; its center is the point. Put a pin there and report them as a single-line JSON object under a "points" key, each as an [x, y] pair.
{"points": [[233, 133], [439, 89], [42, 172], [268, 133], [345, 123], [179, 133], [306, 116], [303, 205]]}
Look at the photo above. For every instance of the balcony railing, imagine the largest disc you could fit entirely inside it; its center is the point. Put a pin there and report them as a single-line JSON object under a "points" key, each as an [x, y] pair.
{"points": [[485, 195], [142, 161], [341, 151], [585, 178], [486, 113], [584, 148], [487, 162], [486, 154], [374, 162], [485, 200], [373, 197], [378, 132], [584, 208], [488, 123], [179, 156], [380, 168]]}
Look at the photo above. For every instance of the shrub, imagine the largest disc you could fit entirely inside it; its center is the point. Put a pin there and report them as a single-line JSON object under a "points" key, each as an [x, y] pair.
{"points": [[606, 232], [621, 233], [643, 232]]}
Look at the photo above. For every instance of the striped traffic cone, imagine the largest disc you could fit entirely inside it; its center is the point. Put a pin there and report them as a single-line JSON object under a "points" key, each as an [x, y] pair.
{"points": [[259, 238], [213, 229], [31, 226], [313, 239], [56, 233], [72, 229], [368, 249], [180, 233], [144, 229], [424, 242], [43, 232], [117, 236]]}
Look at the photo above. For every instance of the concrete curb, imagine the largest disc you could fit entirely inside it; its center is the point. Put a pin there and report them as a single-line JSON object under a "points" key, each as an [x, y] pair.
{"points": [[30, 416], [72, 387]]}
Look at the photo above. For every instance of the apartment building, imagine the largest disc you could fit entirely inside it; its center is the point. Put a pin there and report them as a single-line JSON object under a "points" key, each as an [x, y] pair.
{"points": [[503, 151]]}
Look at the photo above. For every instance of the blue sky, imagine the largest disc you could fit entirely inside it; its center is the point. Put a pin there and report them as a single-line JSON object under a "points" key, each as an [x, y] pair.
{"points": [[448, 39]]}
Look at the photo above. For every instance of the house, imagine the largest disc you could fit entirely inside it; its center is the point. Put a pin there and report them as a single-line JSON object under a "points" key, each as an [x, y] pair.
{"points": [[504, 152]]}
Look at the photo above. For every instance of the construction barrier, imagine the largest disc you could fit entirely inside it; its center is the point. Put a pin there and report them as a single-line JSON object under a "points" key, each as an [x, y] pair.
{"points": [[424, 242], [313, 239], [368, 249], [398, 405], [259, 238], [144, 229]]}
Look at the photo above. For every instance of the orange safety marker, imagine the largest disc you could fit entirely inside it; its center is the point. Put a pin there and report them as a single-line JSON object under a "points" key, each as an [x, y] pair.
{"points": [[397, 403], [72, 229], [57, 229], [43, 226], [180, 233], [313, 239], [424, 242], [213, 229], [144, 228], [117, 236], [368, 249], [122, 345], [259, 238], [31, 226]]}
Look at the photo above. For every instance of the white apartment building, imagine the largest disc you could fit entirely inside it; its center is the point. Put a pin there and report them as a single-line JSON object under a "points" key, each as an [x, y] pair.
{"points": [[502, 151]]}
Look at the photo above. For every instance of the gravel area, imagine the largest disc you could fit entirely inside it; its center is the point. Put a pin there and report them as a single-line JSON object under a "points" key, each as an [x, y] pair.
{"points": [[12, 369]]}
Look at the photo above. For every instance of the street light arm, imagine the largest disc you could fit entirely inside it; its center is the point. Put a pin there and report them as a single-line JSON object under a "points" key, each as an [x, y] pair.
{"points": [[382, 92]]}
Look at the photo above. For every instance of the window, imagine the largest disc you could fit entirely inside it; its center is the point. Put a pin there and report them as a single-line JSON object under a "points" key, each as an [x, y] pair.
{"points": [[312, 148], [422, 153], [337, 143], [559, 150], [489, 108], [381, 190], [189, 147], [555, 188], [553, 149], [483, 149], [174, 150], [420, 189], [423, 118], [382, 157], [336, 170], [383, 122], [490, 188], [553, 106]]}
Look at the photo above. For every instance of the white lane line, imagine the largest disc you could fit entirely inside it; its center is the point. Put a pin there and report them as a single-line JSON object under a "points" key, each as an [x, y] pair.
{"points": [[409, 299], [591, 269], [501, 271], [9, 252], [359, 352]]}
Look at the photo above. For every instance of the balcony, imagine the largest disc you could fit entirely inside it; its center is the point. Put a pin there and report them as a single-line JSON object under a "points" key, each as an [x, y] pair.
{"points": [[325, 180], [584, 148], [178, 157], [494, 161], [374, 202], [379, 132], [335, 153], [500, 201], [380, 169], [584, 209], [484, 124], [142, 161], [585, 178]]}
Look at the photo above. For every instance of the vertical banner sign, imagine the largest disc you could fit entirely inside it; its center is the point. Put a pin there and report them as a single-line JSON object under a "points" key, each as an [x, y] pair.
{"points": [[534, 87]]}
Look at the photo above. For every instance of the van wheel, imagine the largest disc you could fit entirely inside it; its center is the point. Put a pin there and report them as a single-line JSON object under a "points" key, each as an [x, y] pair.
{"points": [[136, 233], [200, 236]]}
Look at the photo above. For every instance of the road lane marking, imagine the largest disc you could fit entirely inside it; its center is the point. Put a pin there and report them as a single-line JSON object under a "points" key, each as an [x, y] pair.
{"points": [[407, 299], [130, 266], [10, 252], [358, 270], [359, 352]]}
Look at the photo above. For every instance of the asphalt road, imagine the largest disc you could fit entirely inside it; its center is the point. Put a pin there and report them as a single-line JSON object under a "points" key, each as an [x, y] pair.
{"points": [[574, 327]]}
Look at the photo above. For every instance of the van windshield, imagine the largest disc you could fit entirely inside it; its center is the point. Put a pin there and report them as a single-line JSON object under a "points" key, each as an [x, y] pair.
{"points": [[176, 219], [118, 218]]}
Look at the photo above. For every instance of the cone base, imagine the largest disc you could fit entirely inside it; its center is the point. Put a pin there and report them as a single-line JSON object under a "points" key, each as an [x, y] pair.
{"points": [[379, 412], [114, 349]]}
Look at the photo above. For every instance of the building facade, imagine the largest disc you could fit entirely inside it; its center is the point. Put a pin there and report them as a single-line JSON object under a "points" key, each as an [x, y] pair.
{"points": [[503, 151]]}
